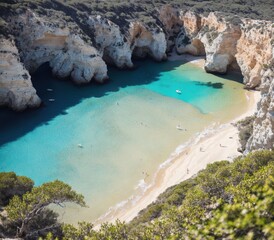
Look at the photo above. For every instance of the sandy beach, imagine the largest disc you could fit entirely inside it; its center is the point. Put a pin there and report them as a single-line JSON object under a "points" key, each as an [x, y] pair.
{"points": [[214, 144]]}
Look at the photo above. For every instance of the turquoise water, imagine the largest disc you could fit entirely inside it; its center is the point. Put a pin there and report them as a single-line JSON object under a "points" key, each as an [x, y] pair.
{"points": [[126, 127]]}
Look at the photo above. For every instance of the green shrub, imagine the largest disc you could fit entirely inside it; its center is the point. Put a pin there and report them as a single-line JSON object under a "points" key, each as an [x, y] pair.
{"points": [[11, 185], [245, 128]]}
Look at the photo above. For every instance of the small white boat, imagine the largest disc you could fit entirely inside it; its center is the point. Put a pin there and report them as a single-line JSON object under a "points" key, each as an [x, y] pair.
{"points": [[178, 91], [80, 145], [179, 127], [51, 100], [49, 89]]}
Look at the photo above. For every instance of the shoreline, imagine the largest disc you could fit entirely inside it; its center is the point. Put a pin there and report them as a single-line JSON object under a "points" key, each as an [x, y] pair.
{"points": [[199, 61], [214, 144]]}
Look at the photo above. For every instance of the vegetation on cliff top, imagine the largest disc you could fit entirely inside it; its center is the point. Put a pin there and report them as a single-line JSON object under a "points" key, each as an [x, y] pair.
{"points": [[122, 12], [257, 9], [224, 201]]}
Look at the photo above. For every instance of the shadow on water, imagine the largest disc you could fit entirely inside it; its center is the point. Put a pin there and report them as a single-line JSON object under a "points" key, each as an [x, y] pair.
{"points": [[210, 84], [231, 75], [14, 125]]}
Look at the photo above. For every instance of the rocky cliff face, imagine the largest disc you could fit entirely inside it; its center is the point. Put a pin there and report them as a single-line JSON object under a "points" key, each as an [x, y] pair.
{"points": [[255, 50], [112, 44], [239, 44], [213, 36], [263, 127], [16, 90], [228, 42], [138, 41], [67, 54]]}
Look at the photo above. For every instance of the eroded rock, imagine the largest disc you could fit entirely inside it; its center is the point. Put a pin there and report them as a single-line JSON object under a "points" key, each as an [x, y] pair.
{"points": [[67, 53], [16, 90]]}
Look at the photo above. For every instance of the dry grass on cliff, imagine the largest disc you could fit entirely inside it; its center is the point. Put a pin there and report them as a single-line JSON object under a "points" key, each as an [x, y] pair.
{"points": [[122, 12]]}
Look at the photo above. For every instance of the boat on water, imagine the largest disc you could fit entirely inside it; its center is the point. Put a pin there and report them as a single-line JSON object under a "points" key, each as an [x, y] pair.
{"points": [[178, 91], [80, 145], [49, 89], [179, 127], [51, 100]]}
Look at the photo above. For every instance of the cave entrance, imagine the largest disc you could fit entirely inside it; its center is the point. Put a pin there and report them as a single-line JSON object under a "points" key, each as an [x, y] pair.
{"points": [[198, 44], [140, 52]]}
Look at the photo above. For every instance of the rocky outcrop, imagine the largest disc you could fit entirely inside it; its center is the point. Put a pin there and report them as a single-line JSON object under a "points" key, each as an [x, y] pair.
{"points": [[254, 50], [146, 41], [188, 41], [111, 42], [138, 41], [171, 22], [263, 126], [228, 42], [68, 55], [16, 90], [214, 36]]}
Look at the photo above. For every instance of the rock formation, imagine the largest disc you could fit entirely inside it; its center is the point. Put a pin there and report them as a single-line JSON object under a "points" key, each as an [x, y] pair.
{"points": [[146, 41], [227, 41], [67, 54], [263, 126], [255, 49], [213, 36], [118, 48], [111, 42], [239, 44], [16, 90], [172, 24]]}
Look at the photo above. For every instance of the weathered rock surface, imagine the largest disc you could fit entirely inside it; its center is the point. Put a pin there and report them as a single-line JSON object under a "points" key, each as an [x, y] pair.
{"points": [[118, 48], [67, 53], [255, 49], [172, 24], [228, 42], [16, 90], [263, 127], [188, 40], [213, 36], [147, 42], [111, 42], [238, 44]]}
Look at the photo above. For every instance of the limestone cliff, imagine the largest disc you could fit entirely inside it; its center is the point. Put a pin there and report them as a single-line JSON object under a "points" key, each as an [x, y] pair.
{"points": [[172, 24], [111, 42], [239, 44], [81, 48], [255, 49], [137, 41], [228, 42], [67, 54], [263, 126], [16, 90], [214, 36]]}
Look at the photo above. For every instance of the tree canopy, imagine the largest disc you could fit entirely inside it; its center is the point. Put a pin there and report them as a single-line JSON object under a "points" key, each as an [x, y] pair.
{"points": [[11, 184], [23, 212]]}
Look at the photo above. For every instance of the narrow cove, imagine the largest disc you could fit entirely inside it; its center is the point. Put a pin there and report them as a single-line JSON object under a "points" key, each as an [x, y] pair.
{"points": [[107, 141]]}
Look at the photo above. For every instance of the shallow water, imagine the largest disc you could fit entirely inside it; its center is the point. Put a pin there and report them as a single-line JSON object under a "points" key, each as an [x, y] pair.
{"points": [[126, 128]]}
